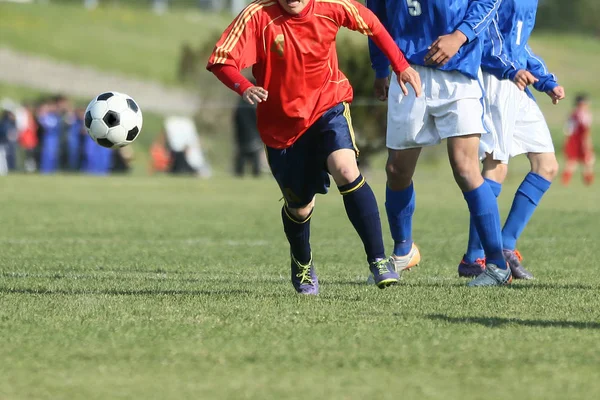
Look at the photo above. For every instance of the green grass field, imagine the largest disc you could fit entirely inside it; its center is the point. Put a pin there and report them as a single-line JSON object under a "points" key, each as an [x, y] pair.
{"points": [[133, 41], [122, 288]]}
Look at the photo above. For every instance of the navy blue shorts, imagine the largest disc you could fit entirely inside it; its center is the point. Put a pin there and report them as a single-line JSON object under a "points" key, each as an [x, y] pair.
{"points": [[301, 169]]}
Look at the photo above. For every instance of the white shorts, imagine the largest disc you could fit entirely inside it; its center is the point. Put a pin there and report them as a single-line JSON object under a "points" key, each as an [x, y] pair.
{"points": [[451, 104], [515, 120]]}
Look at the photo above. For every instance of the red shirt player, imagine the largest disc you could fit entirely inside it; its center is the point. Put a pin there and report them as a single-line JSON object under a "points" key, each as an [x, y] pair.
{"points": [[303, 114], [578, 145]]}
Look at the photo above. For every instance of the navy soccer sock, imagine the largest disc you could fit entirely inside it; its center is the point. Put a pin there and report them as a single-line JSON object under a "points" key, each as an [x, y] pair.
{"points": [[298, 234], [486, 217], [362, 211], [524, 204], [475, 248], [400, 207]]}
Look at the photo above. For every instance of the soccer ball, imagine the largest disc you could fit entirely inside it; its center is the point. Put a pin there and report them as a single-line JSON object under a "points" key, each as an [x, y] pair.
{"points": [[113, 119]]}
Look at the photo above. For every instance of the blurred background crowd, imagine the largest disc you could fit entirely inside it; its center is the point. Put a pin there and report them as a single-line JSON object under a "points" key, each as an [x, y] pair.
{"points": [[49, 136]]}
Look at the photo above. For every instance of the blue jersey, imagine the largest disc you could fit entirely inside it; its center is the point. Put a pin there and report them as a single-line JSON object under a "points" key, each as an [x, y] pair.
{"points": [[505, 47], [416, 24]]}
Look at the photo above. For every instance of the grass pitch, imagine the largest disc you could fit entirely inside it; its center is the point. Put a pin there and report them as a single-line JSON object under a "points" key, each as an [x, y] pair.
{"points": [[161, 288]]}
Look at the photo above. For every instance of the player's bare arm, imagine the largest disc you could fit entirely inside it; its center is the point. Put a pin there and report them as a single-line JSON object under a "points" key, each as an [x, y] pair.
{"points": [[557, 94], [524, 78], [444, 48], [255, 94]]}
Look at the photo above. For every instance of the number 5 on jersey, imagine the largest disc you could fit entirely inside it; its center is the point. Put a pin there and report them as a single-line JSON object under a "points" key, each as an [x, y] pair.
{"points": [[414, 7]]}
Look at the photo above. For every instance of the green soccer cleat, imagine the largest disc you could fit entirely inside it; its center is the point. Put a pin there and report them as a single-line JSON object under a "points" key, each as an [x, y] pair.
{"points": [[492, 276]]}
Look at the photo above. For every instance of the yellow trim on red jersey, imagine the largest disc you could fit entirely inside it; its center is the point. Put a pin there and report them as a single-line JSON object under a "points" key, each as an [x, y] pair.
{"points": [[238, 28], [351, 8]]}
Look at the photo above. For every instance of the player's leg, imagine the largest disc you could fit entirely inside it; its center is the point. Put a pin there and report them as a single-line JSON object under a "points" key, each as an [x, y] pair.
{"points": [[532, 137], [255, 158], [473, 263], [296, 225], [463, 152], [409, 128], [238, 163], [570, 167], [293, 176], [500, 116], [588, 169], [359, 201], [400, 205], [460, 120]]}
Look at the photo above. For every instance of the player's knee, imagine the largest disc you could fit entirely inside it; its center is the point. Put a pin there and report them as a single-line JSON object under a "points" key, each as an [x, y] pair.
{"points": [[345, 174], [467, 174], [302, 213], [544, 165], [398, 177]]}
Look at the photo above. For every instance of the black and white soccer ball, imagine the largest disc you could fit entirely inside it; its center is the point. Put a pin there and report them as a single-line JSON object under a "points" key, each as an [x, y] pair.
{"points": [[113, 119]]}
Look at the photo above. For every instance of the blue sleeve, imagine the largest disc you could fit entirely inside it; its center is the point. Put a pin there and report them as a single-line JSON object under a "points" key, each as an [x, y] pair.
{"points": [[379, 61], [495, 58], [479, 15], [537, 67]]}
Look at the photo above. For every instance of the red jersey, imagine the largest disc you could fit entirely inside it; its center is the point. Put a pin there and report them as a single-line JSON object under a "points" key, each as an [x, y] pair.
{"points": [[578, 131], [294, 58]]}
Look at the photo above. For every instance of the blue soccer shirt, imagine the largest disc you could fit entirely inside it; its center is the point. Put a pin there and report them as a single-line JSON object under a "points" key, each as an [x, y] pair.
{"points": [[416, 24]]}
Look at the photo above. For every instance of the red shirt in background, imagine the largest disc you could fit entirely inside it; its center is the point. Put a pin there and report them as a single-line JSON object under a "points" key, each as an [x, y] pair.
{"points": [[294, 58], [578, 132]]}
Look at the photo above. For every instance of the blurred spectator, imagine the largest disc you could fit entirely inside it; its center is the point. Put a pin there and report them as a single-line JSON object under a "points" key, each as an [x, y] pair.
{"points": [[76, 133], [49, 120], [28, 139], [121, 160], [184, 144], [249, 147], [9, 116], [160, 157], [578, 146], [8, 130], [97, 160]]}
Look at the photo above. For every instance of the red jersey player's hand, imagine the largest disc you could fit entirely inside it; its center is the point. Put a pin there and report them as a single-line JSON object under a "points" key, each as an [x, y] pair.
{"points": [[381, 86], [524, 78], [556, 94], [412, 77], [444, 48], [255, 94]]}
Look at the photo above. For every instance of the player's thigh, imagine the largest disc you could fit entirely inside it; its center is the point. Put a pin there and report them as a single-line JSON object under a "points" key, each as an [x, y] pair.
{"points": [[337, 144], [293, 169], [531, 134], [409, 123], [501, 108], [459, 108]]}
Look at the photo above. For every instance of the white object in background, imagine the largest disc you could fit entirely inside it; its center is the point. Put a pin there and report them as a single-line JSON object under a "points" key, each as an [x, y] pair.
{"points": [[182, 136]]}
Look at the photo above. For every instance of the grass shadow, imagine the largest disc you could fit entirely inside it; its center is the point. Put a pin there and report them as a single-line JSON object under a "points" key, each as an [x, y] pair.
{"points": [[495, 322]]}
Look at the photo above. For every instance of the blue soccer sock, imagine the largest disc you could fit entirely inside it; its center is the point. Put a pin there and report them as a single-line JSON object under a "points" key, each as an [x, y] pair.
{"points": [[362, 211], [400, 207], [486, 218], [524, 204], [298, 235], [475, 248]]}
